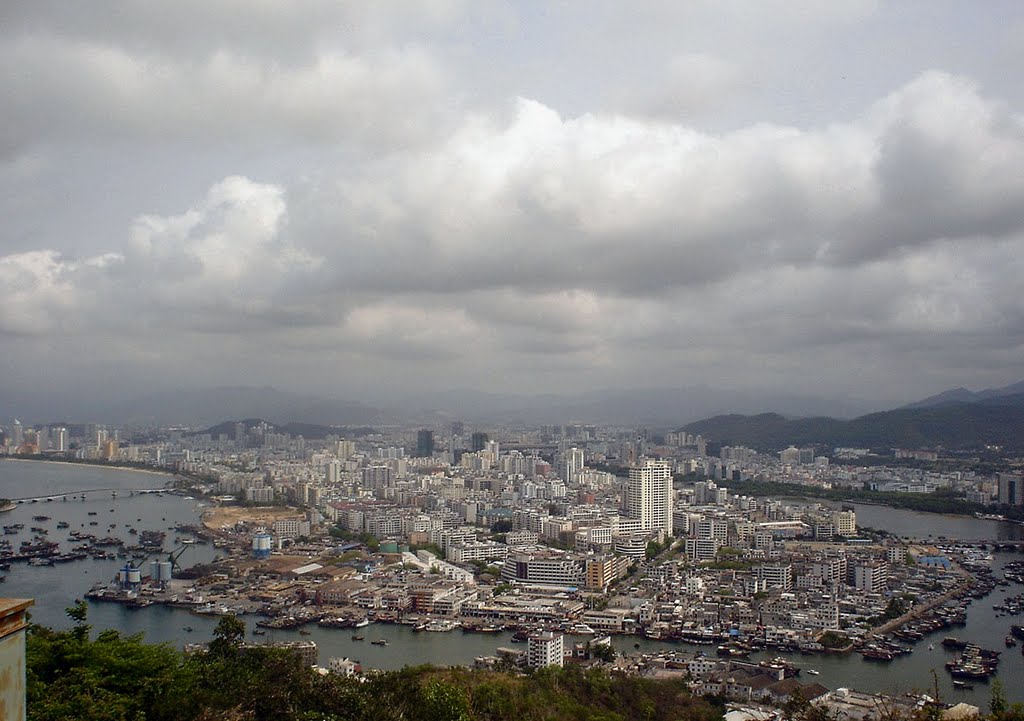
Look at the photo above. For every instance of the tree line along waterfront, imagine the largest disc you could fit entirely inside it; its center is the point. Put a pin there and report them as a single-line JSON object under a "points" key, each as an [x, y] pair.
{"points": [[940, 501]]}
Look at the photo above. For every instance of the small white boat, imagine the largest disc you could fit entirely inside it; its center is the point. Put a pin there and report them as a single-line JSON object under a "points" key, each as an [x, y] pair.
{"points": [[812, 672]]}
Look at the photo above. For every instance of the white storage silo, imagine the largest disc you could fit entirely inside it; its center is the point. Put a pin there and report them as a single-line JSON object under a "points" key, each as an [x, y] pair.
{"points": [[261, 545]]}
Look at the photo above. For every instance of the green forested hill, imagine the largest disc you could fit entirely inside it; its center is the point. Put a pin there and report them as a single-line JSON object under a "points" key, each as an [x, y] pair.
{"points": [[956, 426]]}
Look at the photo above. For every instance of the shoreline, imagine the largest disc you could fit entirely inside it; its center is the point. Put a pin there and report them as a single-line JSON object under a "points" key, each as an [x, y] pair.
{"points": [[109, 466], [880, 504]]}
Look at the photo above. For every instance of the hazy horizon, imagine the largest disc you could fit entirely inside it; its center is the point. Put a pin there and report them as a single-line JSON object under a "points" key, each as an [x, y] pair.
{"points": [[655, 407], [371, 201]]}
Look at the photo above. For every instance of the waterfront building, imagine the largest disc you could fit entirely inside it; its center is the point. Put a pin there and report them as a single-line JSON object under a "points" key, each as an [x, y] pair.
{"points": [[1011, 489], [845, 523], [344, 666], [545, 649]]}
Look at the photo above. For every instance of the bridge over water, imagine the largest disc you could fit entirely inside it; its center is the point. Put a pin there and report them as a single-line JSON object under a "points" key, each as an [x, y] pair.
{"points": [[72, 495], [1007, 545]]}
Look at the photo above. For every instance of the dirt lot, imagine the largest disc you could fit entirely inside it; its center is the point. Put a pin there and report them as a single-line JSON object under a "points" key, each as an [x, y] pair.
{"points": [[217, 518]]}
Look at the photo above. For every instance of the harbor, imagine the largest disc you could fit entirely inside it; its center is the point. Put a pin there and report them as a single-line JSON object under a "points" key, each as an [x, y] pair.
{"points": [[56, 588]]}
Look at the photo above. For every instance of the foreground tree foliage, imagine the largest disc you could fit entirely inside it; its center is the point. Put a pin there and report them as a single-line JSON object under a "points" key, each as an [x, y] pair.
{"points": [[122, 678]]}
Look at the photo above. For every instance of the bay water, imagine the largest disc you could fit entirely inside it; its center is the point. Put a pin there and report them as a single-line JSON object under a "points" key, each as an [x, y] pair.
{"points": [[56, 588]]}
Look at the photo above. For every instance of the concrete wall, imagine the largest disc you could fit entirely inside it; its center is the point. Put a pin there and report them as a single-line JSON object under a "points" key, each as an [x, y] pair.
{"points": [[12, 658]]}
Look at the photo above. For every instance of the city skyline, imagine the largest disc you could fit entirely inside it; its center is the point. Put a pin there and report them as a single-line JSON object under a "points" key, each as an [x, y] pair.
{"points": [[801, 198]]}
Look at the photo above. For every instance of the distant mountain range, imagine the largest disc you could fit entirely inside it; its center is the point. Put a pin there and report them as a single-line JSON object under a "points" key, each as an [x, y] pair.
{"points": [[1007, 395], [650, 407], [988, 418], [957, 418], [311, 431], [212, 405], [653, 407]]}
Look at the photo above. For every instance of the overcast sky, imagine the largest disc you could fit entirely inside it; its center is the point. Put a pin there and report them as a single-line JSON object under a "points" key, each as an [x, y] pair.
{"points": [[815, 197]]}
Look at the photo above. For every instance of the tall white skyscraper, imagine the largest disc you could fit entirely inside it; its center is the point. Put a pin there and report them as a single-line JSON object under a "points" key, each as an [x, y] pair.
{"points": [[345, 449], [572, 462], [649, 496]]}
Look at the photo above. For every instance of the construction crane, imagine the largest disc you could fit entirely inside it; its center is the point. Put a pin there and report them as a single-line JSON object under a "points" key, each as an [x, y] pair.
{"points": [[174, 555]]}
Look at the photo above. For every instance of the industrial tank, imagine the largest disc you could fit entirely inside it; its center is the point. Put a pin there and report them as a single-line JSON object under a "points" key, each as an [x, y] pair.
{"points": [[261, 545]]}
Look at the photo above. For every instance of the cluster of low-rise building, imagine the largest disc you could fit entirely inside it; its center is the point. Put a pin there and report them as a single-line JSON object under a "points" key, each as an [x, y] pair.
{"points": [[530, 529]]}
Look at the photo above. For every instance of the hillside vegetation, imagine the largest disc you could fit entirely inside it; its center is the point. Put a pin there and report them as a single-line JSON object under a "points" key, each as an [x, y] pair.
{"points": [[119, 678], [954, 426]]}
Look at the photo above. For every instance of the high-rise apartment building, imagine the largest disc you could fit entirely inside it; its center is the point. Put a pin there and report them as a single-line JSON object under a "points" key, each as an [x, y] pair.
{"points": [[478, 441], [649, 496], [424, 443], [572, 462], [1011, 489], [345, 449], [333, 469]]}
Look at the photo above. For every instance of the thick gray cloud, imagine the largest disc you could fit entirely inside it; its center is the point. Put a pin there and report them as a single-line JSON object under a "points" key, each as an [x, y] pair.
{"points": [[338, 197]]}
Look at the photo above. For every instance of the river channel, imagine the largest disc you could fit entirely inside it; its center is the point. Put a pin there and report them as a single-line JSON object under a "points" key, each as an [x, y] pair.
{"points": [[56, 588]]}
